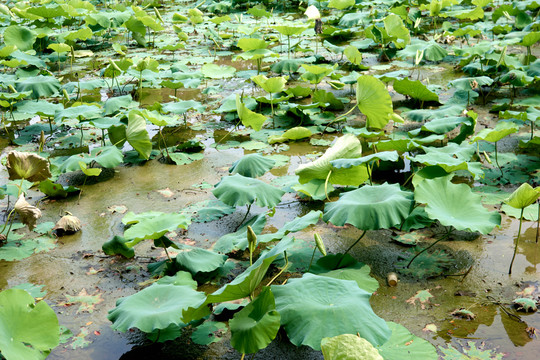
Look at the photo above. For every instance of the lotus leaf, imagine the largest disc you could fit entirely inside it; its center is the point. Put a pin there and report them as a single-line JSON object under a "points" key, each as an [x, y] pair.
{"points": [[286, 66], [183, 106], [345, 267], [502, 129], [297, 224], [371, 207], [432, 51], [19, 36], [180, 278], [248, 117], [156, 307], [374, 101], [78, 112], [403, 345], [396, 31], [415, 89], [455, 205], [248, 44], [315, 73], [295, 133], [88, 171], [314, 307], [137, 135], [208, 210], [54, 190], [28, 166], [238, 190], [214, 71], [29, 330], [41, 86], [196, 260], [29, 214], [348, 347], [384, 156], [523, 196], [427, 264], [341, 4], [209, 332], [154, 227], [316, 189], [252, 165], [443, 125], [256, 325], [289, 30], [271, 85], [529, 213], [238, 240], [346, 147]]}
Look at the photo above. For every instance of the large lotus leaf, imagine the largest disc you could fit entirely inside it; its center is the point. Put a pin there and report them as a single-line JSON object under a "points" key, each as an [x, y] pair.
{"points": [[20, 36], [248, 117], [252, 165], [156, 307], [345, 267], [272, 85], [238, 190], [256, 325], [289, 30], [41, 107], [28, 166], [502, 129], [455, 205], [415, 89], [314, 307], [155, 227], [297, 224], [346, 147], [242, 286], [112, 105], [214, 71], [396, 31], [28, 330], [403, 345], [348, 347], [248, 44], [384, 156], [340, 4], [374, 101], [78, 112], [41, 86], [238, 240], [443, 125], [432, 50], [523, 196], [371, 207], [183, 106], [197, 260], [137, 135]]}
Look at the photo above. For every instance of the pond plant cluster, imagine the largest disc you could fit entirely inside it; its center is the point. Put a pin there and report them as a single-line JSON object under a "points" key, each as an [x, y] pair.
{"points": [[87, 87]]}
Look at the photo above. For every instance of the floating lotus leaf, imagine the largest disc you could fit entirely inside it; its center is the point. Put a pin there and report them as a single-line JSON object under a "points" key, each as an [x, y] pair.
{"points": [[384, 156], [20, 36], [252, 165], [455, 205], [349, 269], [371, 207], [209, 332], [41, 86], [256, 325], [427, 264], [196, 260], [156, 307], [248, 117], [348, 347], [238, 190], [29, 214], [502, 129], [28, 166], [154, 227], [117, 246], [346, 147], [214, 71], [523, 196], [403, 345], [29, 330], [415, 89], [314, 307], [374, 101]]}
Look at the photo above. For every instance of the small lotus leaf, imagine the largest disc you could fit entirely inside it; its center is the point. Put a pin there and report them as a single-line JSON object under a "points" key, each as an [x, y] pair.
{"points": [[238, 240], [523, 196], [455, 205], [248, 117], [295, 133], [370, 207], [183, 106], [314, 307], [272, 85], [297, 224], [214, 71], [289, 30], [415, 89], [137, 135], [348, 347], [209, 332], [196, 260], [208, 210], [502, 129], [256, 325], [403, 345], [28, 166], [374, 101], [252, 165], [29, 330], [117, 246], [238, 190], [316, 189]]}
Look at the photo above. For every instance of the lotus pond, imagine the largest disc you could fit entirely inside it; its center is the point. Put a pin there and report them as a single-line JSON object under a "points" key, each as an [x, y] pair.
{"points": [[294, 180]]}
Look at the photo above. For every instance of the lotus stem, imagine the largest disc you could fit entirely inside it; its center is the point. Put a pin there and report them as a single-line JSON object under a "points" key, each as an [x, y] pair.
{"points": [[538, 223], [312, 257], [349, 249], [282, 270], [245, 217], [164, 143], [517, 242], [497, 160], [166, 252], [243, 356], [339, 117], [446, 236], [326, 185]]}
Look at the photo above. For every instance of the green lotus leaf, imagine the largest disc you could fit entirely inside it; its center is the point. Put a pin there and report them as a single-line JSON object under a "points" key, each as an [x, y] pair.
{"points": [[83, 34], [196, 260], [209, 332], [28, 166], [383, 155], [415, 89], [455, 205], [271, 85], [89, 171], [374, 101], [117, 246], [180, 278], [41, 86], [468, 83], [396, 31], [314, 307], [238, 190], [316, 189], [183, 106], [348, 347], [315, 73], [341, 4], [154, 226], [208, 210], [147, 64], [214, 71], [248, 117], [530, 39], [156, 307], [443, 125], [54, 190], [403, 345], [252, 165], [19, 36], [112, 105], [137, 135], [41, 107], [238, 240], [523, 196], [248, 44], [295, 133], [501, 130], [346, 147], [286, 66], [353, 55], [432, 51], [78, 112], [529, 213], [345, 267], [299, 91], [59, 48], [289, 30], [370, 207], [29, 330], [256, 325], [297, 224]]}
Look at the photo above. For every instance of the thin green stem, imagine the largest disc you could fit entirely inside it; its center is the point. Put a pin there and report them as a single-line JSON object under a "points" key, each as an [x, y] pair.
{"points": [[311, 261], [497, 160], [538, 223], [245, 217], [517, 242], [326, 185], [282, 270], [446, 236], [339, 117], [349, 249]]}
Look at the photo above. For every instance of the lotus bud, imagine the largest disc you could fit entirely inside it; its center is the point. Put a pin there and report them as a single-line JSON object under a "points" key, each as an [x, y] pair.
{"points": [[312, 13], [42, 139], [320, 244], [252, 239], [68, 224]]}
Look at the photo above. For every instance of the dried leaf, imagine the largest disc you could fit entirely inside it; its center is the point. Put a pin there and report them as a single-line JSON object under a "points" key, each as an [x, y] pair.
{"points": [[422, 296], [28, 213], [28, 166], [166, 192], [87, 302], [68, 224]]}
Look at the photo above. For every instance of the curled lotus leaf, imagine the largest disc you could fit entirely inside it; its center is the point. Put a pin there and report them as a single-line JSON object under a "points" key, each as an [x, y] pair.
{"points": [[28, 166], [68, 224], [238, 190], [371, 207], [523, 196], [252, 165], [29, 214]]}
